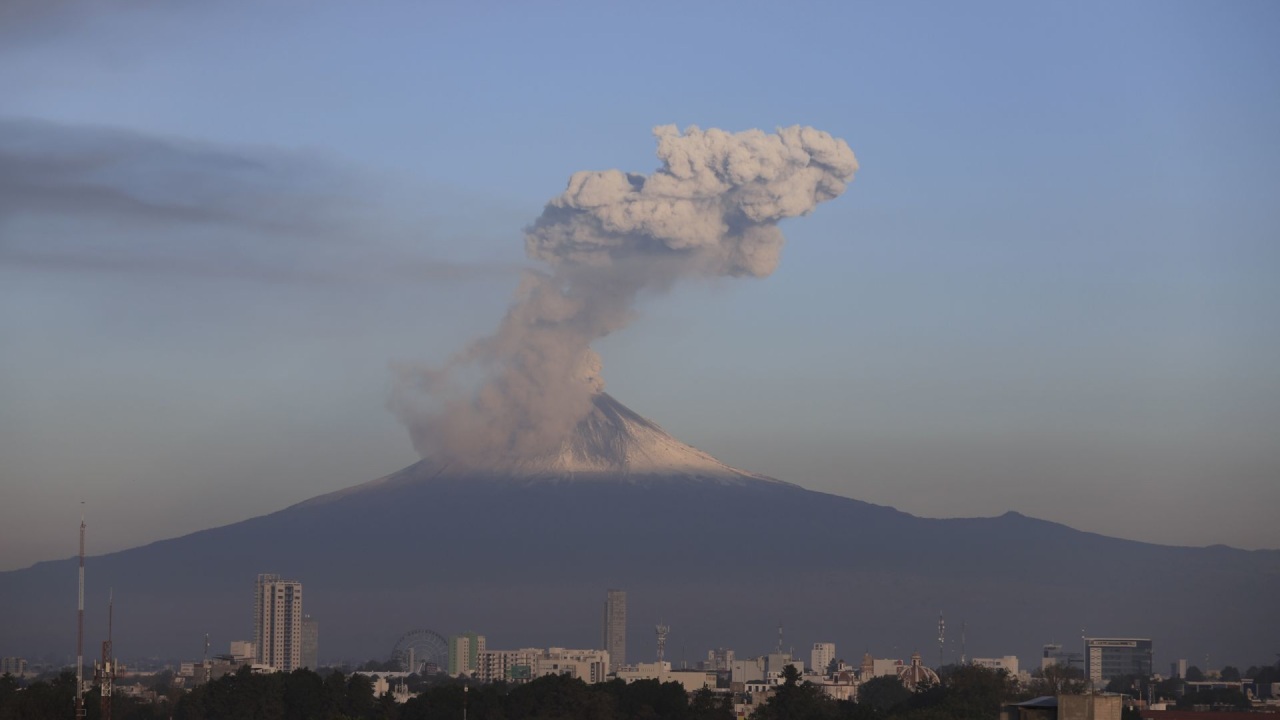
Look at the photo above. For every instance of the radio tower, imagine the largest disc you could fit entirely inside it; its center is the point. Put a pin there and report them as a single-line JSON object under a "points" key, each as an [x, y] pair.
{"points": [[662, 631], [942, 640], [80, 627]]}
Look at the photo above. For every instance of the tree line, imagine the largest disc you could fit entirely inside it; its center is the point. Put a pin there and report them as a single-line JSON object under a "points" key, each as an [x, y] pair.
{"points": [[965, 692]]}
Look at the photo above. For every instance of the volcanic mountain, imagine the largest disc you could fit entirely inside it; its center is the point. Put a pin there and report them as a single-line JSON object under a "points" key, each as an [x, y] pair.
{"points": [[523, 550]]}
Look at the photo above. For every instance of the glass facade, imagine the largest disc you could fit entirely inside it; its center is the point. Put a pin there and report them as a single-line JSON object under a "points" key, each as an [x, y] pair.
{"points": [[1106, 658]]}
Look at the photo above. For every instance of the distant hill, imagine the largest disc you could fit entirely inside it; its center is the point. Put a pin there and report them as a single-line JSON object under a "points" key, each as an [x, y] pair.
{"points": [[523, 551]]}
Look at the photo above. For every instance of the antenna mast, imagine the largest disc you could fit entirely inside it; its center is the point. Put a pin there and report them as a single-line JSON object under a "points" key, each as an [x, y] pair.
{"points": [[662, 631], [106, 681], [779, 650], [80, 626], [942, 640]]}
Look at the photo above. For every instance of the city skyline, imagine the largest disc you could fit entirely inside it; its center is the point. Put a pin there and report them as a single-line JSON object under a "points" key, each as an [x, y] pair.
{"points": [[1047, 290]]}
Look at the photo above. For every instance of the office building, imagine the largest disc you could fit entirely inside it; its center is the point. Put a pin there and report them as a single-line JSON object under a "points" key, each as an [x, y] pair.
{"points": [[15, 666], [277, 622], [1106, 658], [1055, 654], [615, 628]]}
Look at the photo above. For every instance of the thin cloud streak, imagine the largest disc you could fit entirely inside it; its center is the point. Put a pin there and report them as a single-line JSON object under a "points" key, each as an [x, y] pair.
{"points": [[92, 199]]}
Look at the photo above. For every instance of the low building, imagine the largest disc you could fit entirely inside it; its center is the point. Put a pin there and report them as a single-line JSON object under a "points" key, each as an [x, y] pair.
{"points": [[878, 667], [14, 666], [843, 685], [590, 666], [1066, 707], [691, 680], [1008, 663], [243, 650], [506, 665]]}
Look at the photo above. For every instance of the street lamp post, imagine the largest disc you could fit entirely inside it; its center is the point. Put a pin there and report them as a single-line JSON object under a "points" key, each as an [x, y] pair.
{"points": [[465, 688]]}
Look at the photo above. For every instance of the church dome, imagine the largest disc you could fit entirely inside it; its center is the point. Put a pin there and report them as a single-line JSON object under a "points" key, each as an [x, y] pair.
{"points": [[916, 675]]}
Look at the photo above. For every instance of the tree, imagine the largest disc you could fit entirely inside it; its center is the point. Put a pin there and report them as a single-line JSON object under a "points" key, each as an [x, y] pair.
{"points": [[1057, 679], [360, 700], [977, 692], [794, 700], [1169, 689], [883, 693], [1230, 673], [1194, 674], [706, 705], [1264, 679], [1134, 686]]}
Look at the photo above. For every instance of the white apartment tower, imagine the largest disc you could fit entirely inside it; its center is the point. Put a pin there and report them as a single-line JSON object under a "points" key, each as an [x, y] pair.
{"points": [[821, 656], [277, 622], [615, 628]]}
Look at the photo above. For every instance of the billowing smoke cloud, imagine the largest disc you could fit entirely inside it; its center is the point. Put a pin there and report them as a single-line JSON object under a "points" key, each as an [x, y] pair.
{"points": [[712, 209]]}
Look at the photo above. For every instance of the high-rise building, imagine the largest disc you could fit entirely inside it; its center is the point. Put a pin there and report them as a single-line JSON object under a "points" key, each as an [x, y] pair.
{"points": [[1106, 658], [464, 651], [277, 622], [615, 628], [310, 642], [821, 656]]}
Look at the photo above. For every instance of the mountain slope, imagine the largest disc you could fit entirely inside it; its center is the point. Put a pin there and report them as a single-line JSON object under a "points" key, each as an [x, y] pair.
{"points": [[523, 551]]}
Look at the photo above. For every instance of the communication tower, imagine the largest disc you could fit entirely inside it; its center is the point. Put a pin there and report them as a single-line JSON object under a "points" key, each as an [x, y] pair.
{"points": [[942, 640], [107, 670], [662, 631]]}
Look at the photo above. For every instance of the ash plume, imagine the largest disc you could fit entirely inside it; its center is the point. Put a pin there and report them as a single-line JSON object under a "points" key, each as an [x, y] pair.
{"points": [[711, 209]]}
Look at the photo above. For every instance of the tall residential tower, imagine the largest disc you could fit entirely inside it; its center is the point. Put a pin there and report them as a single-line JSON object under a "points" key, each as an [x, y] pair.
{"points": [[615, 628], [277, 622]]}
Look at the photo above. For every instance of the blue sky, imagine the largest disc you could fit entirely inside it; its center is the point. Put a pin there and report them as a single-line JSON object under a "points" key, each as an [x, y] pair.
{"points": [[1051, 287]]}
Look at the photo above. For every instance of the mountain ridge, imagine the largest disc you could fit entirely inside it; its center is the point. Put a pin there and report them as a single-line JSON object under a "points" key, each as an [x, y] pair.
{"points": [[523, 552]]}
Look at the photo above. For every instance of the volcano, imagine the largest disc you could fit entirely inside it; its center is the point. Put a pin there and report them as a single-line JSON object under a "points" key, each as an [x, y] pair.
{"points": [[522, 551]]}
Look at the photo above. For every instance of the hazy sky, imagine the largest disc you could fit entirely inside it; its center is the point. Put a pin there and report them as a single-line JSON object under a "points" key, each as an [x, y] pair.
{"points": [[1051, 288]]}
